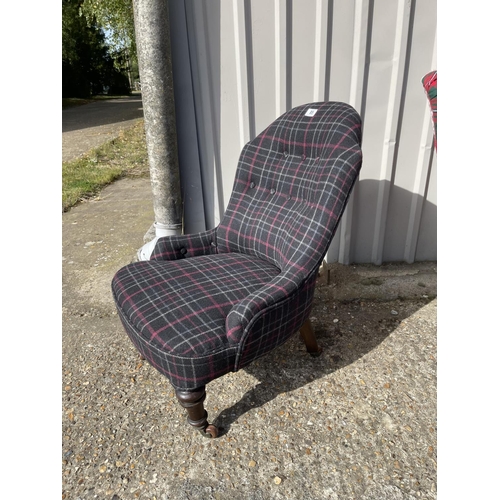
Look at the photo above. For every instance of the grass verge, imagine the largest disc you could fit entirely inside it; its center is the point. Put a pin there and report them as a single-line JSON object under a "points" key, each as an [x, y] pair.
{"points": [[125, 156]]}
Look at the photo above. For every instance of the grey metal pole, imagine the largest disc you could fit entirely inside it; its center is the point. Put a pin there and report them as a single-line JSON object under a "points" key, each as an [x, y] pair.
{"points": [[152, 32]]}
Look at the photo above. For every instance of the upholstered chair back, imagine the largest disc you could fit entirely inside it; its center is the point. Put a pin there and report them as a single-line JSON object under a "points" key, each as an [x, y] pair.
{"points": [[290, 187]]}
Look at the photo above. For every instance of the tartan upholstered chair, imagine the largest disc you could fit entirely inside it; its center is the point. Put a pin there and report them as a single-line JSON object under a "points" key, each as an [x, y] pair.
{"points": [[210, 303]]}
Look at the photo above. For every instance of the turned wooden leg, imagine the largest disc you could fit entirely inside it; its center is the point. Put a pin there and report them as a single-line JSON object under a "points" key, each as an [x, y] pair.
{"points": [[307, 334], [192, 401]]}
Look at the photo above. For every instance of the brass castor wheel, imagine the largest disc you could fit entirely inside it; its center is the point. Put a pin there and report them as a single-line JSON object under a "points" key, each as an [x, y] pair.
{"points": [[210, 431], [316, 354]]}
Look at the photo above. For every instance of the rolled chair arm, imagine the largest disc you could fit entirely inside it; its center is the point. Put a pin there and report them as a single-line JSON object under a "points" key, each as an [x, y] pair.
{"points": [[186, 245], [270, 315]]}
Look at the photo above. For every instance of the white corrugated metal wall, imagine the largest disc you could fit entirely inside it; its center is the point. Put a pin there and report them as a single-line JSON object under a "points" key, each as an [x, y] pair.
{"points": [[239, 64]]}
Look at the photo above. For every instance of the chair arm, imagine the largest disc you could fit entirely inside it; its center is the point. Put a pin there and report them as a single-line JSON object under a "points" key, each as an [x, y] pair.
{"points": [[186, 245], [280, 292]]}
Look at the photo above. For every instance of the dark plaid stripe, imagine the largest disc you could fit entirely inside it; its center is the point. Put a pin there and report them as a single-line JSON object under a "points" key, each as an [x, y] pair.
{"points": [[212, 302]]}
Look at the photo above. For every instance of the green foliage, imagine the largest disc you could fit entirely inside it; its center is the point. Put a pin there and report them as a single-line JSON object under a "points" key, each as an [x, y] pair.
{"points": [[116, 17], [87, 65]]}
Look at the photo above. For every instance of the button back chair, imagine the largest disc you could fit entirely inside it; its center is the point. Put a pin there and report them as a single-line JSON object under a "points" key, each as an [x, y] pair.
{"points": [[210, 303]]}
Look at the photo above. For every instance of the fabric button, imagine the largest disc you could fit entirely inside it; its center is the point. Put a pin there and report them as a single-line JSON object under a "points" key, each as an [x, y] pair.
{"points": [[183, 251], [303, 157], [212, 244], [252, 185], [285, 153], [273, 191]]}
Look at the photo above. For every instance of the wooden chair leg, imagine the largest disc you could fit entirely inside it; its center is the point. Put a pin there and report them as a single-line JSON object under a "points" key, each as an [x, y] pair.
{"points": [[192, 401], [309, 338]]}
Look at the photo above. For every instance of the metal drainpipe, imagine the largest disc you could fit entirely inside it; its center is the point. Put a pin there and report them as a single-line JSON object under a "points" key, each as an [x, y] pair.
{"points": [[152, 31]]}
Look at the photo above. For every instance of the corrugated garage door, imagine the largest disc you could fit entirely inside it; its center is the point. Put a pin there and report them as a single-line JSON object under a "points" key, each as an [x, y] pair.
{"points": [[240, 64]]}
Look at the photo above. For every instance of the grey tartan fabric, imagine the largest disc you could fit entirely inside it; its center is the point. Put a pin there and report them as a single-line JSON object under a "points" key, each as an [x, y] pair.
{"points": [[175, 311], [210, 303], [188, 245]]}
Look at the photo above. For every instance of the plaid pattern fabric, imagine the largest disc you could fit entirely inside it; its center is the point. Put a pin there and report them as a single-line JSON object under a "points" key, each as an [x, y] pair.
{"points": [[175, 312], [275, 324], [429, 81], [189, 245], [210, 303], [291, 186]]}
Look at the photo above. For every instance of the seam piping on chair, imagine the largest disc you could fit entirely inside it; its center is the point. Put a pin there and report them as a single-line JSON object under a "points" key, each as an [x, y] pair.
{"points": [[226, 347]]}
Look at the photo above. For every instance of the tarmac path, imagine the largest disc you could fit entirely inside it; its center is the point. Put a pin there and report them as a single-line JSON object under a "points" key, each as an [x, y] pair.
{"points": [[88, 126]]}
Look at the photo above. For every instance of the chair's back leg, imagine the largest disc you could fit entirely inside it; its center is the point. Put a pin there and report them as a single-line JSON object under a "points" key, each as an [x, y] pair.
{"points": [[309, 338], [192, 401]]}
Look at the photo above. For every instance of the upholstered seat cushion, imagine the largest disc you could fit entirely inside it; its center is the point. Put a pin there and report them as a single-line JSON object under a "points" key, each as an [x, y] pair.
{"points": [[175, 311]]}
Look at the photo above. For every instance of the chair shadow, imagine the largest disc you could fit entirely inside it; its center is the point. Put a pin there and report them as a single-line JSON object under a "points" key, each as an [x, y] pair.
{"points": [[342, 346]]}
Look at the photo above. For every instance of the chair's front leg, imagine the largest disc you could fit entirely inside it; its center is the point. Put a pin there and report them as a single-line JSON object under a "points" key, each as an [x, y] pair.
{"points": [[192, 401], [309, 338]]}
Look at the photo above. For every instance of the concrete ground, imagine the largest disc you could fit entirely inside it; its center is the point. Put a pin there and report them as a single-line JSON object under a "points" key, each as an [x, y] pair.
{"points": [[359, 422], [86, 127]]}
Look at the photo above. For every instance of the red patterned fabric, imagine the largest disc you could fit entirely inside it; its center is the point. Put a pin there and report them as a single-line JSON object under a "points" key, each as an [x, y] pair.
{"points": [[429, 81], [210, 303]]}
